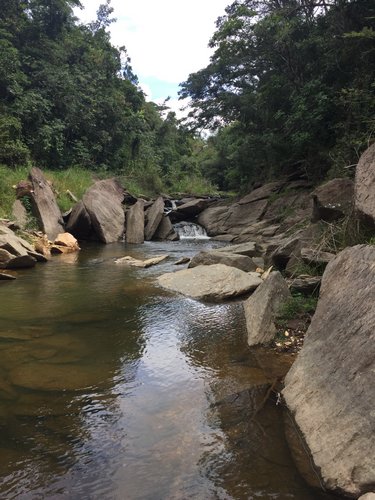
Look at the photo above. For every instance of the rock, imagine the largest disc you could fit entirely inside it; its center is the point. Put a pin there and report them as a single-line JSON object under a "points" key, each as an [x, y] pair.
{"points": [[54, 377], [270, 230], [250, 249], [135, 223], [312, 256], [207, 258], [103, 202], [183, 260], [262, 307], [44, 205], [329, 389], [19, 214], [213, 220], [5, 257], [291, 247], [216, 282], [224, 237], [17, 246], [306, 285], [67, 240], [79, 224], [262, 192], [165, 231], [6, 277], [333, 200], [367, 496], [42, 246], [21, 262], [364, 198], [192, 208], [23, 188], [131, 261], [154, 216]]}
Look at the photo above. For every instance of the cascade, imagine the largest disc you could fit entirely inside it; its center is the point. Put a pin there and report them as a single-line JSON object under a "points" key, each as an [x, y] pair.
{"points": [[190, 230]]}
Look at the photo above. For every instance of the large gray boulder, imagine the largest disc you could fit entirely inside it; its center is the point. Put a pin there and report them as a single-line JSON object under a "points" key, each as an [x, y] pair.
{"points": [[135, 223], [207, 258], [79, 223], [262, 307], [154, 216], [216, 282], [364, 198], [193, 207], [330, 387], [44, 205], [103, 202], [19, 214]]}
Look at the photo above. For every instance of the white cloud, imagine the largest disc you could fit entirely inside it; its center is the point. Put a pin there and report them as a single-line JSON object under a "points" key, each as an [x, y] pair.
{"points": [[166, 39]]}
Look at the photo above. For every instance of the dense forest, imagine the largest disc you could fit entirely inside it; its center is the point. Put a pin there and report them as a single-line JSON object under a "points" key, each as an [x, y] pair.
{"points": [[68, 97], [290, 86]]}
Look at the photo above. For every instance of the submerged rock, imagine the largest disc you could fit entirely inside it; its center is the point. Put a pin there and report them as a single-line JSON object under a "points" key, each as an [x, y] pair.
{"points": [[329, 389], [216, 282]]}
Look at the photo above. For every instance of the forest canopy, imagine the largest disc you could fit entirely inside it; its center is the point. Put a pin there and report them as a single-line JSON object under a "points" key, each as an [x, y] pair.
{"points": [[290, 86]]}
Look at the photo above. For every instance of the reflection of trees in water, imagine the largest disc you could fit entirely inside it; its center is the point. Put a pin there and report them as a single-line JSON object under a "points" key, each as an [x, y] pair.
{"points": [[255, 459], [60, 371]]}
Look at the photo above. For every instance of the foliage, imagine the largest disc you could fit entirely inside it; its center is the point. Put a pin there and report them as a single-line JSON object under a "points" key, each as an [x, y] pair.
{"points": [[296, 306], [290, 86], [69, 97]]}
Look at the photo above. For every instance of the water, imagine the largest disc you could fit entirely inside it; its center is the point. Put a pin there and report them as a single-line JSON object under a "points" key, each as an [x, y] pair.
{"points": [[111, 388], [190, 230]]}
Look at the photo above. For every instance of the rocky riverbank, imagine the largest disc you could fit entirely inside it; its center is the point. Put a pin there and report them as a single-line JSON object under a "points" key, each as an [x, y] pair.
{"points": [[281, 237]]}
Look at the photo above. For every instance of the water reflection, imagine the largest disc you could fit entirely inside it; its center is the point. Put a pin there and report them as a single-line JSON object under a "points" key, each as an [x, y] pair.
{"points": [[112, 388]]}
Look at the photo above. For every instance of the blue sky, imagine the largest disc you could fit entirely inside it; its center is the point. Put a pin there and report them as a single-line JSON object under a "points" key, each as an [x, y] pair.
{"points": [[166, 39]]}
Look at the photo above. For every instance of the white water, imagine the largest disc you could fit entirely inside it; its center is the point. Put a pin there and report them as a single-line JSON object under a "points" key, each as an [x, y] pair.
{"points": [[189, 230]]}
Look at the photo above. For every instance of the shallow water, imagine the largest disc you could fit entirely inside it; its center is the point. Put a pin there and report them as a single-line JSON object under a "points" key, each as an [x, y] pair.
{"points": [[111, 388]]}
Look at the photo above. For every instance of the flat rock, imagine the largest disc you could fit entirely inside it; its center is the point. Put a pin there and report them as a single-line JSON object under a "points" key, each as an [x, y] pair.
{"points": [[44, 205], [216, 282], [207, 258], [21, 262], [103, 202], [131, 261], [250, 249], [307, 285], [330, 387], [364, 198], [262, 307], [135, 223], [312, 256], [154, 216]]}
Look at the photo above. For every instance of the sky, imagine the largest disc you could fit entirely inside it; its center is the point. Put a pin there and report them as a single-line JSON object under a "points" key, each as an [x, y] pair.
{"points": [[165, 39]]}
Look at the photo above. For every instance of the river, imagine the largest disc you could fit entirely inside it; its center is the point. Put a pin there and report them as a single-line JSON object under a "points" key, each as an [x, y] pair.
{"points": [[112, 388]]}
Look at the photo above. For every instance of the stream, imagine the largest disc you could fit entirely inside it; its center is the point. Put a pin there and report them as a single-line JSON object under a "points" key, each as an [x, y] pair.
{"points": [[112, 388]]}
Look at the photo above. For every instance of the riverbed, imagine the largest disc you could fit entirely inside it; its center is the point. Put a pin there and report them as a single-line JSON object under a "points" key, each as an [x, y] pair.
{"points": [[112, 388]]}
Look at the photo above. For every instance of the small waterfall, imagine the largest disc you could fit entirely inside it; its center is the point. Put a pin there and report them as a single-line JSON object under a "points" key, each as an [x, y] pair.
{"points": [[169, 206], [189, 230]]}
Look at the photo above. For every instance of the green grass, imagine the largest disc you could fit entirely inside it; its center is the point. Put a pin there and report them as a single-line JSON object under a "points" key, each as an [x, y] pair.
{"points": [[9, 177], [77, 180]]}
